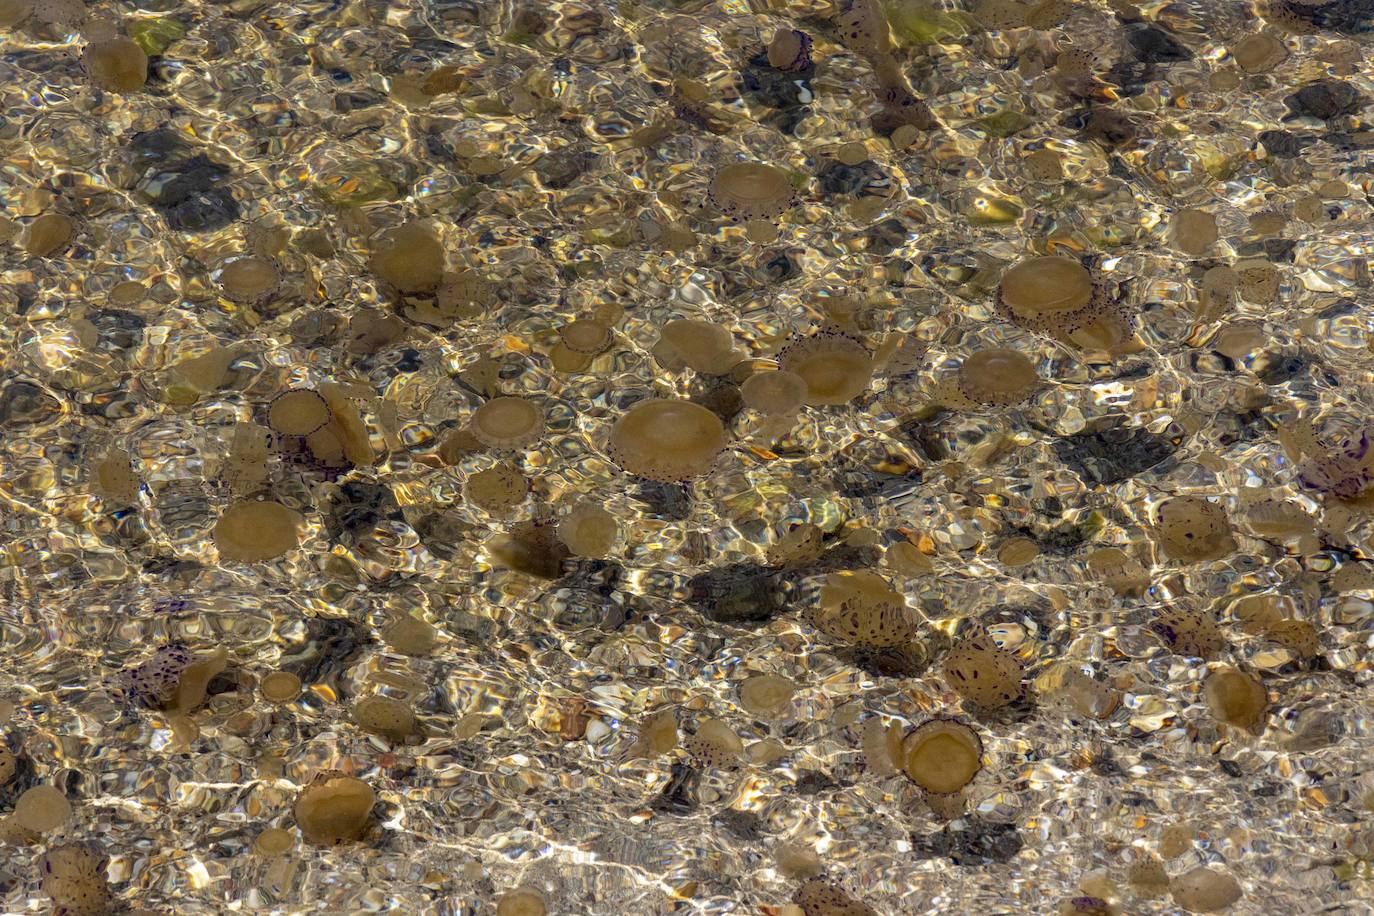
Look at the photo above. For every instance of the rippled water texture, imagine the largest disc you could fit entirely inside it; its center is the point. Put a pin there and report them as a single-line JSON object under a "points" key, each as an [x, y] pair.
{"points": [[563, 154]]}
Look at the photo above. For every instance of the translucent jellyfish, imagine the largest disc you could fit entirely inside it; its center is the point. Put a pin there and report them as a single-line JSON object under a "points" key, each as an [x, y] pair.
{"points": [[589, 531], [1205, 890], [1118, 570], [409, 258], [836, 368], [257, 530], [863, 609], [996, 377], [585, 336], [1000, 14], [704, 347], [387, 717], [250, 281], [274, 842], [532, 548], [371, 330], [1146, 875], [1345, 471], [818, 897], [1191, 529], [465, 294], [1188, 632], [1259, 53], [523, 901], [73, 875], [280, 687], [714, 744], [49, 235], [776, 394], [298, 412], [1058, 296], [410, 635], [344, 440], [114, 478], [334, 808], [983, 673], [942, 756], [42, 809], [862, 27], [1298, 636], [789, 51], [508, 423], [1236, 698], [801, 545], [1194, 231], [666, 440], [766, 695], [744, 191], [499, 488], [153, 683], [116, 64]]}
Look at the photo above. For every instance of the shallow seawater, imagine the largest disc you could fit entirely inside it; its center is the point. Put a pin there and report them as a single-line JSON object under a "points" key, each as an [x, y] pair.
{"points": [[425, 425]]}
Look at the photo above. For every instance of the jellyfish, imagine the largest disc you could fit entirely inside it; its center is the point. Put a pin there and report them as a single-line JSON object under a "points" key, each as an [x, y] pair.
{"points": [[1058, 297], [257, 530], [334, 808], [667, 440], [942, 756], [747, 191], [836, 368], [508, 423]]}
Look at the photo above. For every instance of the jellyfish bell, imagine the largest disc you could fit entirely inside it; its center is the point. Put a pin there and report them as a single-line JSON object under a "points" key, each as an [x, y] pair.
{"points": [[1059, 297], [836, 368], [667, 440], [744, 191], [942, 756], [997, 377], [508, 423]]}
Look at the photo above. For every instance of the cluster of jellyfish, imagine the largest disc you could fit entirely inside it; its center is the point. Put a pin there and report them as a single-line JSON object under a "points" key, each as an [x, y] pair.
{"points": [[673, 440]]}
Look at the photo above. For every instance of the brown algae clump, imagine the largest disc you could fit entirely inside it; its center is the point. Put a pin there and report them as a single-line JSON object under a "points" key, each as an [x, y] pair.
{"points": [[409, 258], [74, 877], [863, 609], [523, 901], [334, 808], [942, 756], [508, 423], [983, 673], [1191, 529], [744, 191], [667, 440], [1236, 698], [253, 531], [1205, 890], [116, 64], [997, 377], [1057, 296], [250, 281], [836, 368], [298, 412], [775, 394], [386, 717]]}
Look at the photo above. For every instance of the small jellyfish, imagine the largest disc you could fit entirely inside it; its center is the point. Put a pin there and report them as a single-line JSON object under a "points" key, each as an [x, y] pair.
{"points": [[797, 547], [386, 717], [532, 548], [1194, 231], [766, 695], [1344, 472], [257, 530], [508, 423], [585, 336], [409, 258], [1236, 698], [863, 609], [410, 635], [74, 876], [714, 744], [1259, 53], [942, 756], [523, 901], [704, 347], [996, 377], [334, 808], [745, 191], [1188, 632], [775, 394], [1057, 296], [116, 64], [273, 842], [1191, 529], [667, 440], [371, 330], [1146, 875], [1118, 570], [1205, 890], [298, 412], [862, 28], [280, 687], [42, 809], [114, 478], [589, 531], [789, 51], [499, 488], [818, 897], [250, 281], [982, 672], [465, 294], [49, 235], [836, 368]]}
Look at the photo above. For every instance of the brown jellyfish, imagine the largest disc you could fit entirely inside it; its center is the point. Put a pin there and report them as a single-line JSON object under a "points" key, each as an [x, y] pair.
{"points": [[334, 808], [589, 531], [702, 346], [1188, 632], [74, 876], [861, 608], [836, 368], [1191, 529], [766, 695], [942, 756], [1236, 698], [508, 423], [982, 672], [789, 51], [1205, 890], [818, 897], [745, 191], [498, 488], [523, 901], [714, 744], [409, 258], [464, 294], [250, 281], [585, 336], [386, 717], [996, 377], [775, 394], [667, 440], [116, 64], [298, 412], [1346, 471], [252, 531], [1058, 297], [49, 235]]}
